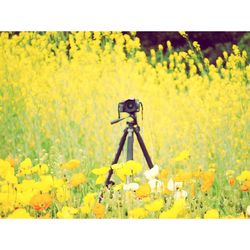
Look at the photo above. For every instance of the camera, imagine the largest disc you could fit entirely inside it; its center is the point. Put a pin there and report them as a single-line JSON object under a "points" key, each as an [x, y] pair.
{"points": [[129, 106]]}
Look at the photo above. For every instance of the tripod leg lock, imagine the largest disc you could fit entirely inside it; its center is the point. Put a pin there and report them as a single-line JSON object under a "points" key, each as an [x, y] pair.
{"points": [[109, 183]]}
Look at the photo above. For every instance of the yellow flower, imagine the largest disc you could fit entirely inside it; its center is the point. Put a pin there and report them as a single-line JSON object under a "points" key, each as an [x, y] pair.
{"points": [[121, 171], [77, 179], [62, 194], [240, 216], [196, 45], [58, 183], [212, 167], [182, 176], [169, 45], [126, 169], [230, 173], [11, 179], [169, 214], [42, 169], [72, 164], [155, 205], [90, 199], [179, 206], [20, 214], [244, 176], [24, 197], [178, 210], [118, 187], [211, 214], [100, 171], [6, 169], [143, 191], [26, 164], [25, 167], [100, 179], [137, 213], [163, 174], [160, 47], [46, 183], [85, 209], [183, 34], [183, 155], [134, 166], [67, 212], [34, 169]]}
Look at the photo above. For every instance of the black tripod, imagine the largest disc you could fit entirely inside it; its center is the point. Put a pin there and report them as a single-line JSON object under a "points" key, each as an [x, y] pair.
{"points": [[132, 127]]}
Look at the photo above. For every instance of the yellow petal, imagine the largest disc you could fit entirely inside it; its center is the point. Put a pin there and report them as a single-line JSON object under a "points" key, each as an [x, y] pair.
{"points": [[100, 171], [100, 179]]}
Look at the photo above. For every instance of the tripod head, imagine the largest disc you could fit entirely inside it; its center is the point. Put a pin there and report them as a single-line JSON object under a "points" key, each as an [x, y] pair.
{"points": [[130, 106], [133, 116]]}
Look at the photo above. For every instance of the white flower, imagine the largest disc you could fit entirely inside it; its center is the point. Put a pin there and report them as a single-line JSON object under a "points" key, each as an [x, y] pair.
{"points": [[174, 185], [155, 185], [170, 185], [248, 210], [180, 194], [130, 186], [176, 188], [152, 173], [178, 185]]}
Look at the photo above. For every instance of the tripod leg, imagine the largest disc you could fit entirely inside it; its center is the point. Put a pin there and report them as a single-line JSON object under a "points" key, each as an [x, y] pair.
{"points": [[118, 153], [143, 147]]}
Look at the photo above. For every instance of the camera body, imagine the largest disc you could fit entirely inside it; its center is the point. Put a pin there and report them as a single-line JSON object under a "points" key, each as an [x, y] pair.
{"points": [[129, 106]]}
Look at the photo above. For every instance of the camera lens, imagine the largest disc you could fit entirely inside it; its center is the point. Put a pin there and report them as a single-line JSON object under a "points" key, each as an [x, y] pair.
{"points": [[130, 105]]}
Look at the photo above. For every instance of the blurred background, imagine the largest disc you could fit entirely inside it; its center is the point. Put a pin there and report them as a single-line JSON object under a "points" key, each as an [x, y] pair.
{"points": [[212, 43]]}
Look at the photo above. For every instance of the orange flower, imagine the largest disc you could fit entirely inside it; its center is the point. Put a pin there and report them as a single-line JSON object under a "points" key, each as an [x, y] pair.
{"points": [[99, 210], [193, 190], [246, 186], [11, 161], [207, 181], [182, 176], [46, 216], [41, 202], [143, 191], [231, 181]]}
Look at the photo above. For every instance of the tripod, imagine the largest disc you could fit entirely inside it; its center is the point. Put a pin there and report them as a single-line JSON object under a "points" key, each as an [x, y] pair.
{"points": [[132, 127]]}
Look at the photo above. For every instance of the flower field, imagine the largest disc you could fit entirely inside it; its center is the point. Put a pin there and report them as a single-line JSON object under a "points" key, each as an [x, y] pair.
{"points": [[59, 91]]}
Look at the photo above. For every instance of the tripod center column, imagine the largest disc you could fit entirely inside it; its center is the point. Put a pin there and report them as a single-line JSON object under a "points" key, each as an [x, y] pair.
{"points": [[130, 147], [130, 144]]}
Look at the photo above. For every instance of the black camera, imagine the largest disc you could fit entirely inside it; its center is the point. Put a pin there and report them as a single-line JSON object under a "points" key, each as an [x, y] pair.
{"points": [[129, 106]]}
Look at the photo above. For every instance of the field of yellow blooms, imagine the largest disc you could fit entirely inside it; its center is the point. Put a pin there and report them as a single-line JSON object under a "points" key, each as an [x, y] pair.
{"points": [[59, 91]]}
